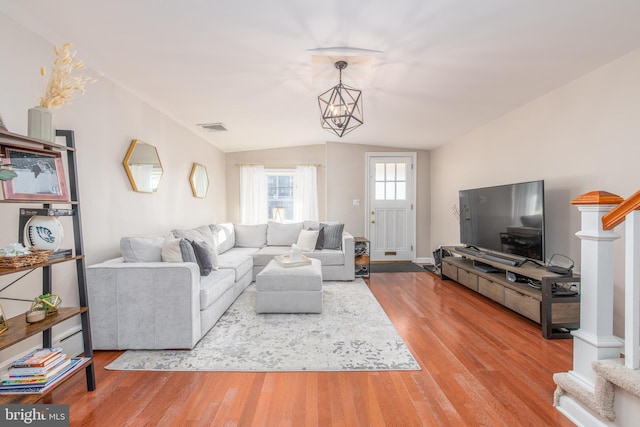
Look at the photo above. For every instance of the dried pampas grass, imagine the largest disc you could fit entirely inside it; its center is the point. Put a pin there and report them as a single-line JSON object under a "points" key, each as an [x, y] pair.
{"points": [[62, 84]]}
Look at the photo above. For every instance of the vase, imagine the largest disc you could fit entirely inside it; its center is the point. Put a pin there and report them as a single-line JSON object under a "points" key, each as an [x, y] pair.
{"points": [[40, 124]]}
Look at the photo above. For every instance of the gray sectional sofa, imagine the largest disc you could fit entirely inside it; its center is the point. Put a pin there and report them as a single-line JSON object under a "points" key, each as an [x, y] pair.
{"points": [[148, 299]]}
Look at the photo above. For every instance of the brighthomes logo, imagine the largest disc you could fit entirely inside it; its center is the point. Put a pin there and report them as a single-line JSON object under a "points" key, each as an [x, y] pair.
{"points": [[26, 416], [36, 415]]}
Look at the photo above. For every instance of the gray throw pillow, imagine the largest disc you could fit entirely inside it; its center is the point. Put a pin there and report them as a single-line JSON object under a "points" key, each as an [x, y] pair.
{"points": [[203, 256], [332, 235], [320, 241], [188, 255]]}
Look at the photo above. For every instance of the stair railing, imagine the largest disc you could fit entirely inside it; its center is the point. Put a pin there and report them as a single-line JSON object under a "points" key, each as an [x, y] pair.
{"points": [[628, 212]]}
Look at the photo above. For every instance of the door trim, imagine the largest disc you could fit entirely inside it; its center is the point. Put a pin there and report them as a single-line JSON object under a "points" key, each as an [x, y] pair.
{"points": [[367, 197]]}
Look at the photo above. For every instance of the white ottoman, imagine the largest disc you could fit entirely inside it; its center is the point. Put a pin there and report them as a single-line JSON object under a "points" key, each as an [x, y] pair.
{"points": [[289, 290]]}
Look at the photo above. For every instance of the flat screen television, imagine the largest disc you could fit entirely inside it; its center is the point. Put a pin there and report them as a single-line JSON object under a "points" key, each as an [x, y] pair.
{"points": [[507, 218]]}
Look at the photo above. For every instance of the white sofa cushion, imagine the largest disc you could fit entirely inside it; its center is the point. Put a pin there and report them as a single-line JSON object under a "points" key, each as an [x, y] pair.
{"points": [[283, 234], [142, 249], [240, 260], [200, 233], [328, 256], [250, 236], [214, 285], [225, 235]]}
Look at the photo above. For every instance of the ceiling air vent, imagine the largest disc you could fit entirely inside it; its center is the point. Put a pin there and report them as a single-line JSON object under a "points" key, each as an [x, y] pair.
{"points": [[213, 127]]}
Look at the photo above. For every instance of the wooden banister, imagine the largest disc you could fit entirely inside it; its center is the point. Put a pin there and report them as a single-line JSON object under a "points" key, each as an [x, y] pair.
{"points": [[597, 198], [617, 215]]}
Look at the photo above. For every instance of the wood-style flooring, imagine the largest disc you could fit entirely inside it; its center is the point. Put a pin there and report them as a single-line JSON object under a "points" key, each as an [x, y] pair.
{"points": [[482, 365]]}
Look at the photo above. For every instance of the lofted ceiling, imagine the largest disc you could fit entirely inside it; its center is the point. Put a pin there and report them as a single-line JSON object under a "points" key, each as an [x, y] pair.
{"points": [[433, 70]]}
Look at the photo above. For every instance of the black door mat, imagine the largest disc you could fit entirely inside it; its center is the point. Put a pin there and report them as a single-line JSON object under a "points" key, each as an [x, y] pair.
{"points": [[396, 267]]}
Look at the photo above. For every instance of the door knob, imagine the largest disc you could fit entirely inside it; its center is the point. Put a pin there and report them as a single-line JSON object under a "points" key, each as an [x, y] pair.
{"points": [[373, 212], [373, 221]]}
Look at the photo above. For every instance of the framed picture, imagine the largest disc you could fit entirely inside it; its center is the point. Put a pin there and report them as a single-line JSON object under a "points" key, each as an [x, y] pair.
{"points": [[40, 175]]}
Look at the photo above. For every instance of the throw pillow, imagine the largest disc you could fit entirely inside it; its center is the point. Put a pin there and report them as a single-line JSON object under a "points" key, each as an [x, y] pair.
{"points": [[307, 240], [282, 234], [320, 240], [142, 249], [332, 235], [171, 249], [203, 256], [250, 236], [188, 255]]}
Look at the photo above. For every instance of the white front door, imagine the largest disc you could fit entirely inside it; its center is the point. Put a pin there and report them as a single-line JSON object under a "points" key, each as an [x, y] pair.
{"points": [[391, 206]]}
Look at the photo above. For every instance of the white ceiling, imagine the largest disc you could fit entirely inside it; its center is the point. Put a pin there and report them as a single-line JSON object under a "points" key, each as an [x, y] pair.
{"points": [[445, 67]]}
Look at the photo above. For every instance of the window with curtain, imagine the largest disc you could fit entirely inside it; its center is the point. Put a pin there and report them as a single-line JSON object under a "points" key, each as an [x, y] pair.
{"points": [[278, 194]]}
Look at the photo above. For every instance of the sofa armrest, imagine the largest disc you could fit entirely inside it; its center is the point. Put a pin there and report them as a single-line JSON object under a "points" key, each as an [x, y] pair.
{"points": [[147, 305], [348, 247]]}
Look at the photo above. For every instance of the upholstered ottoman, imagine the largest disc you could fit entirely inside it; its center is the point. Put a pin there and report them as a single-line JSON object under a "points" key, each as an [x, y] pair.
{"points": [[289, 290]]}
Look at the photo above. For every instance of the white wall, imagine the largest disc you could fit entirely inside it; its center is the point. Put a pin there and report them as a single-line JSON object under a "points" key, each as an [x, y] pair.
{"points": [[105, 120], [582, 137]]}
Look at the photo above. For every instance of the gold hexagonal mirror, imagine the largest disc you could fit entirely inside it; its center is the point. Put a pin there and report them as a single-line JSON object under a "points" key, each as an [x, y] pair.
{"points": [[199, 180], [143, 167]]}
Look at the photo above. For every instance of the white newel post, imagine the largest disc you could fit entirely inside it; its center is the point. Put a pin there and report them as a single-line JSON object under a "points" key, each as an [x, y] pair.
{"points": [[595, 340]]}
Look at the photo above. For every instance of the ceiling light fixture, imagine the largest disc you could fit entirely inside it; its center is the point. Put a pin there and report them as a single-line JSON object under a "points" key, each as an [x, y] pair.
{"points": [[341, 106]]}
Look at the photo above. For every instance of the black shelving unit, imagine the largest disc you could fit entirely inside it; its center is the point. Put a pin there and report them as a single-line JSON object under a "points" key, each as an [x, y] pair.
{"points": [[19, 329]]}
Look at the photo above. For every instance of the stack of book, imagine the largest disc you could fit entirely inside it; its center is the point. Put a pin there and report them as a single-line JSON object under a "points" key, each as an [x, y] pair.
{"points": [[37, 371]]}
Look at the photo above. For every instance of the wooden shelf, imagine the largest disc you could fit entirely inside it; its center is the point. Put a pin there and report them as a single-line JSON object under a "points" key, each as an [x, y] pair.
{"points": [[29, 398], [41, 202], [5, 271], [21, 141], [19, 329]]}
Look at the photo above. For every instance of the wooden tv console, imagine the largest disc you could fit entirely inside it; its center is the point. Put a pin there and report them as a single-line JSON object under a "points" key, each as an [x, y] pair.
{"points": [[557, 315]]}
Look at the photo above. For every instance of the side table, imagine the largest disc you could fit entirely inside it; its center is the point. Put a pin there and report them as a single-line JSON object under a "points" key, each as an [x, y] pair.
{"points": [[361, 248]]}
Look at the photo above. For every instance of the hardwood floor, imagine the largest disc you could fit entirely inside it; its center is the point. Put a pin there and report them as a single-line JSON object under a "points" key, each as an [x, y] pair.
{"points": [[481, 365]]}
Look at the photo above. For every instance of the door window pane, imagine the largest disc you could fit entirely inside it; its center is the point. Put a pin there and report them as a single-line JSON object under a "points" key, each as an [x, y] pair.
{"points": [[401, 191], [379, 190], [391, 172], [391, 191], [391, 181]]}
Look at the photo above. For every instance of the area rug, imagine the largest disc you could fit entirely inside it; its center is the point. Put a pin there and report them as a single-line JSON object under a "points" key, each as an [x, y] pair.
{"points": [[353, 333], [396, 267]]}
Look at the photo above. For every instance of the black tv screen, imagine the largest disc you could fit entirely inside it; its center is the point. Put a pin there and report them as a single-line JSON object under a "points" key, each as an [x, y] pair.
{"points": [[505, 218]]}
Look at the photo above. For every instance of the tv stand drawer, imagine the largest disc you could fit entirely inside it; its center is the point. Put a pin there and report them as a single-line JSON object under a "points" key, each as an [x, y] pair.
{"points": [[491, 290], [450, 271], [468, 279], [523, 304]]}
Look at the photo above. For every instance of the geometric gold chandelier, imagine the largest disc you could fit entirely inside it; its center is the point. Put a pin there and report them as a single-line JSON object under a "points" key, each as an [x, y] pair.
{"points": [[341, 106]]}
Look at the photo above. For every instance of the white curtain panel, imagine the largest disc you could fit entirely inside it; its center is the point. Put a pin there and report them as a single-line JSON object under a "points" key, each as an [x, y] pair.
{"points": [[305, 194], [253, 195]]}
